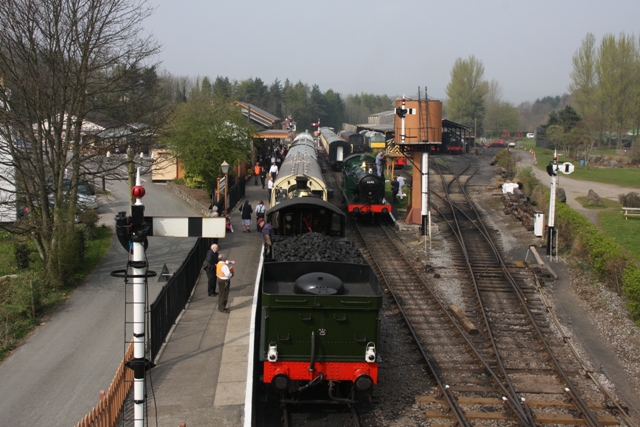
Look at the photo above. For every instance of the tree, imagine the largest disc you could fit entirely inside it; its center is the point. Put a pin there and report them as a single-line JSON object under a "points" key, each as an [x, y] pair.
{"points": [[295, 101], [500, 116], [274, 105], [335, 110], [616, 67], [222, 87], [60, 60], [466, 92], [204, 132], [584, 84]]}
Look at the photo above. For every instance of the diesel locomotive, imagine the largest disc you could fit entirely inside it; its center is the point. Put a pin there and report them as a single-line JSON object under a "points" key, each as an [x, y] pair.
{"points": [[300, 174], [320, 306], [334, 147], [363, 190]]}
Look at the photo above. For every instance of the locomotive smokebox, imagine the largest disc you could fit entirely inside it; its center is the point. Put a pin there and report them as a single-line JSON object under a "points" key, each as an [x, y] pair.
{"points": [[318, 284]]}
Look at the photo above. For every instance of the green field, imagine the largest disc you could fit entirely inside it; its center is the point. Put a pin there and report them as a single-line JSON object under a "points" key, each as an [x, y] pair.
{"points": [[624, 177], [612, 222]]}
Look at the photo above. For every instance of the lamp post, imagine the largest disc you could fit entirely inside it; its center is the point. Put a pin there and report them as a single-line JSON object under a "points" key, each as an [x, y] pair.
{"points": [[225, 170]]}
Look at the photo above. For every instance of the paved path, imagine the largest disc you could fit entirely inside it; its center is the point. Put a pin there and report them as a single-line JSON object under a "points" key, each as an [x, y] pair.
{"points": [[55, 377], [575, 188], [572, 310]]}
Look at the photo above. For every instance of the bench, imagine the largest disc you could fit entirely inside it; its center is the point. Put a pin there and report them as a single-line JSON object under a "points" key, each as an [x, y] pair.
{"points": [[630, 212]]}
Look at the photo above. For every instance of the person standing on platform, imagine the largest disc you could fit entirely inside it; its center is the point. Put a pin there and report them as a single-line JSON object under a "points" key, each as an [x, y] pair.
{"points": [[246, 211], [395, 188], [273, 171], [270, 187], [256, 172], [380, 163], [210, 262], [224, 272], [260, 210], [267, 235], [401, 182], [263, 175]]}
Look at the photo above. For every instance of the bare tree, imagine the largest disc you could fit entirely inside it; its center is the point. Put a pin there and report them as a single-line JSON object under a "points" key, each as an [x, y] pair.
{"points": [[61, 60]]}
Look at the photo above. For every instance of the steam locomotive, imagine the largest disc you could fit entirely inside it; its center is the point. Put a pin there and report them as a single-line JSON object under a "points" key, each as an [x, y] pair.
{"points": [[363, 190], [320, 301]]}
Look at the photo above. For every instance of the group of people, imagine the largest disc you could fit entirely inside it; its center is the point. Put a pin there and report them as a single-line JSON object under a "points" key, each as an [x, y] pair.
{"points": [[245, 214], [219, 272], [396, 187], [219, 269]]}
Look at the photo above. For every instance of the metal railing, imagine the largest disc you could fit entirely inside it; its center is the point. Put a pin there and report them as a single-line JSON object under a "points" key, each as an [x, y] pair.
{"points": [[173, 297]]}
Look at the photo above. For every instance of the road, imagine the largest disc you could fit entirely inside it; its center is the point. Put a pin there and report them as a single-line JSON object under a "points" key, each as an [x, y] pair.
{"points": [[55, 377], [575, 188]]}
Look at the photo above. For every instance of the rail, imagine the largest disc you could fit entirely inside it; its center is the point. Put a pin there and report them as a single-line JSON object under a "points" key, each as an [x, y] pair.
{"points": [[630, 212]]}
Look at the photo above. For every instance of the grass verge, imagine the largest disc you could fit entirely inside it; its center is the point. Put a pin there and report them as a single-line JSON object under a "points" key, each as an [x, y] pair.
{"points": [[25, 301]]}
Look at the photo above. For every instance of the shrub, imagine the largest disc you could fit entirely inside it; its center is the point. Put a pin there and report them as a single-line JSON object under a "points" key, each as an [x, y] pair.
{"points": [[505, 160], [19, 301], [528, 179], [21, 254], [89, 220], [630, 200], [631, 289]]}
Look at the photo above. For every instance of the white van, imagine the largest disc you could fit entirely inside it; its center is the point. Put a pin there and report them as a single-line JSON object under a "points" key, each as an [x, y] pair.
{"points": [[531, 135]]}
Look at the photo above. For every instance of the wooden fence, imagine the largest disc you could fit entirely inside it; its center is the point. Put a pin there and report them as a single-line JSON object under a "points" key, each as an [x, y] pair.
{"points": [[107, 411]]}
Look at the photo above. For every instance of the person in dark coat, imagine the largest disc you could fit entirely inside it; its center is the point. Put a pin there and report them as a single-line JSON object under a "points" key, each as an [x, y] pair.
{"points": [[246, 210], [210, 268], [267, 235], [395, 189], [263, 175]]}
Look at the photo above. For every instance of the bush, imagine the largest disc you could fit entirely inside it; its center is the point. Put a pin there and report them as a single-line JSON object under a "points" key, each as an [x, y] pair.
{"points": [[505, 160], [21, 254], [19, 301], [528, 179], [630, 200], [89, 220], [631, 289]]}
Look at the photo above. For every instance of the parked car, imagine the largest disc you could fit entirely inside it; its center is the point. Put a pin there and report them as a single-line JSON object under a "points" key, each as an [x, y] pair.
{"points": [[87, 198], [531, 135]]}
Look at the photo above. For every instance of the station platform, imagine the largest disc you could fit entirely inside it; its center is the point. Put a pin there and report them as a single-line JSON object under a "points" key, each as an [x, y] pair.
{"points": [[203, 375]]}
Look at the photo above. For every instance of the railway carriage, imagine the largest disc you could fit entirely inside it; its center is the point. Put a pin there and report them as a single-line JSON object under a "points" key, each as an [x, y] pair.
{"points": [[363, 190], [321, 301], [335, 148], [300, 174], [357, 141]]}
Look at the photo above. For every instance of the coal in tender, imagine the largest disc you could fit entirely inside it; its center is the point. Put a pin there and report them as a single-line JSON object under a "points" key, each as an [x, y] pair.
{"points": [[315, 247]]}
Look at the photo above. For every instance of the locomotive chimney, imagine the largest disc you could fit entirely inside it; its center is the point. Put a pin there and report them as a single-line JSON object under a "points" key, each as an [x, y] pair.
{"points": [[302, 182]]}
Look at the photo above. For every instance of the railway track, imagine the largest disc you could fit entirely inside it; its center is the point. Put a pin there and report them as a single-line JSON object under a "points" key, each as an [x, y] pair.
{"points": [[496, 358]]}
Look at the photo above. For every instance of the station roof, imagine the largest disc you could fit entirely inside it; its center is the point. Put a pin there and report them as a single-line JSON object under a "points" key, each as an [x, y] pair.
{"points": [[453, 125], [274, 134], [258, 116], [383, 128]]}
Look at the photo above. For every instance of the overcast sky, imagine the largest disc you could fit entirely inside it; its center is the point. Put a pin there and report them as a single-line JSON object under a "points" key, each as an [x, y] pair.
{"points": [[385, 47]]}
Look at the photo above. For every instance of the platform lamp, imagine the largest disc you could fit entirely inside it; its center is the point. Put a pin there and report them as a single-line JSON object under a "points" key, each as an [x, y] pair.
{"points": [[225, 170]]}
